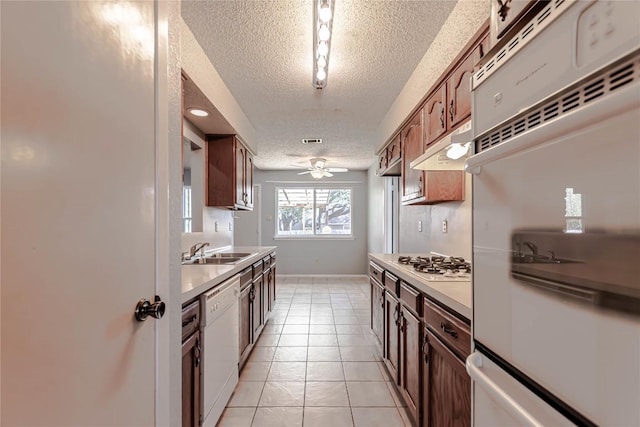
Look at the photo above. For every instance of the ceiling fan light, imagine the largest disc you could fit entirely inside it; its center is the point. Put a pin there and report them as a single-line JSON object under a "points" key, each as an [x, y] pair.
{"points": [[317, 174], [324, 14]]}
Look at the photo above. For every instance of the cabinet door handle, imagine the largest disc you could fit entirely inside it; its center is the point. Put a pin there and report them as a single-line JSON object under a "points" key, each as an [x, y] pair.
{"points": [[189, 320], [447, 330], [424, 349], [451, 110], [196, 360], [442, 117]]}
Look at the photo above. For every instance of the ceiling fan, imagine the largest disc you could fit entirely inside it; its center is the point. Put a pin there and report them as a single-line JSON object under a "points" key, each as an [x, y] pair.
{"points": [[317, 169]]}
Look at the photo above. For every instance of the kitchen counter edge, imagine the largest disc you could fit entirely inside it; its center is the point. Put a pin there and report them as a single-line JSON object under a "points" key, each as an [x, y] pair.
{"points": [[197, 279], [455, 295]]}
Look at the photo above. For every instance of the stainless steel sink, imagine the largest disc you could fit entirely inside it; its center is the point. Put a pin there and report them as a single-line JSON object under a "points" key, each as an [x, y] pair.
{"points": [[230, 255], [211, 260]]}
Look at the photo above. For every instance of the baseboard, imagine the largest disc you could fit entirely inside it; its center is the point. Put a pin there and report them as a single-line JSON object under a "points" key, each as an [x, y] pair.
{"points": [[323, 275]]}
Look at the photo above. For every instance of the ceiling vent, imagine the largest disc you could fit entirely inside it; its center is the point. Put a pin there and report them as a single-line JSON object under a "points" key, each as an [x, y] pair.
{"points": [[312, 140]]}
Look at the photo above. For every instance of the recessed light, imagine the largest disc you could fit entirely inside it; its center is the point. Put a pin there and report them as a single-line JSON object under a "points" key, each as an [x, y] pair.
{"points": [[198, 112]]}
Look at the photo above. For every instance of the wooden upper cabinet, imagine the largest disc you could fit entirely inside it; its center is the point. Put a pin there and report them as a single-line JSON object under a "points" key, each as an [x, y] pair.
{"points": [[459, 84], [382, 162], [413, 144], [389, 159], [240, 171], [435, 115], [229, 174], [248, 179], [459, 92]]}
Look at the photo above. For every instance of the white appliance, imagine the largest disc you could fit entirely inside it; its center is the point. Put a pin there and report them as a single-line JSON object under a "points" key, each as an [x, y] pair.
{"points": [[556, 221], [220, 323]]}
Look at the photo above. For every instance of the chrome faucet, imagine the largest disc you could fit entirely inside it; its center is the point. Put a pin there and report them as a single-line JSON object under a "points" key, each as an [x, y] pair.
{"points": [[532, 247], [197, 247]]}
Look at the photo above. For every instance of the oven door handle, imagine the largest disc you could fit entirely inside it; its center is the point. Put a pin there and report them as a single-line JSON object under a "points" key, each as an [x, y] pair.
{"points": [[473, 364], [609, 106]]}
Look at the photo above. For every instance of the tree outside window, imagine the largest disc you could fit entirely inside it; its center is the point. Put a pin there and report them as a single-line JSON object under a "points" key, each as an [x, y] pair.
{"points": [[314, 212]]}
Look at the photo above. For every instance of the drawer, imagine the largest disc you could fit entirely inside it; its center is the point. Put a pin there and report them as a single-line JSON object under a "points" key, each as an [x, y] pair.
{"points": [[257, 269], [190, 319], [376, 271], [411, 298], [273, 257], [266, 261], [392, 283], [453, 331], [245, 277]]}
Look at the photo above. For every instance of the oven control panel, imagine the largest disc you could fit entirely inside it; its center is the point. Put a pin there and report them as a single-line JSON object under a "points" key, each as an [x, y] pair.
{"points": [[604, 26]]}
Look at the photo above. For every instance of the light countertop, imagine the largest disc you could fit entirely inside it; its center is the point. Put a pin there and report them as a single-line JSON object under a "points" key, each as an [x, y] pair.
{"points": [[455, 295], [199, 278]]}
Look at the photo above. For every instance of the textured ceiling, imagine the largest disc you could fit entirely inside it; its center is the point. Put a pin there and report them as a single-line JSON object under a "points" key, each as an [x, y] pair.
{"points": [[263, 52]]}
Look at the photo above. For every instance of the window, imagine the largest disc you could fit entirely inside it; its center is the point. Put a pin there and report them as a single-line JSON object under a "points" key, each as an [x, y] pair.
{"points": [[313, 212], [186, 209]]}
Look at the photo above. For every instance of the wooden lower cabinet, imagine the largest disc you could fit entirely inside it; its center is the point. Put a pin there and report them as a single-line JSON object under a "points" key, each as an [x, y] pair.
{"points": [[446, 399], [377, 310], [410, 357], [245, 324], [391, 349], [272, 285], [266, 276], [191, 351], [191, 348], [256, 302]]}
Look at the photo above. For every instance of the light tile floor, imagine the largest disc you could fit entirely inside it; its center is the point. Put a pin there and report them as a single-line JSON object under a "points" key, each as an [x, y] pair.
{"points": [[315, 363]]}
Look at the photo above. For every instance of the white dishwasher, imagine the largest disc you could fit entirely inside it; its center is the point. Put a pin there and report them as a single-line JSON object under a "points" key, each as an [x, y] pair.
{"points": [[221, 342]]}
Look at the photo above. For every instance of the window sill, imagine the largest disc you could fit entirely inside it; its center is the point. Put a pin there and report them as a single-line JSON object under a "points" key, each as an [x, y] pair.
{"points": [[311, 237]]}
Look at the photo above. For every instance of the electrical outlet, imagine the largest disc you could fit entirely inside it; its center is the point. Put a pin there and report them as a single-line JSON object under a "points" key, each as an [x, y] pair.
{"points": [[230, 226], [444, 226], [420, 226], [216, 226]]}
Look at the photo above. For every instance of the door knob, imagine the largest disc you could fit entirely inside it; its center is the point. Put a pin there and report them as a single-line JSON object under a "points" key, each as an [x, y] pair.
{"points": [[145, 308]]}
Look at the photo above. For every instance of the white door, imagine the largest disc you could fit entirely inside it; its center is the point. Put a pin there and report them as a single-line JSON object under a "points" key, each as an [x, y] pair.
{"points": [[246, 224], [79, 214]]}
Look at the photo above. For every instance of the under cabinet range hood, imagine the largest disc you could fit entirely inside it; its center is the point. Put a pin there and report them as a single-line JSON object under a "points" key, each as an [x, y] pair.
{"points": [[449, 153]]}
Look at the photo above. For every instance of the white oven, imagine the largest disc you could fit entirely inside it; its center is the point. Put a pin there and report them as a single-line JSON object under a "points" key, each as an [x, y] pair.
{"points": [[556, 221]]}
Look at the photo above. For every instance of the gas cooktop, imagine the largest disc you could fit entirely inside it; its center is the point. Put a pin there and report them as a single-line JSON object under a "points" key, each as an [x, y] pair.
{"points": [[438, 268]]}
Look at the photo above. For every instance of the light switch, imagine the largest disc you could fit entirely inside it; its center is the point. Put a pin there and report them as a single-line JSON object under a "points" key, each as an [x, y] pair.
{"points": [[230, 226]]}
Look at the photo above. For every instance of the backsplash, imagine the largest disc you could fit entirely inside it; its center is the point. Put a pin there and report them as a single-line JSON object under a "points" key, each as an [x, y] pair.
{"points": [[223, 237], [457, 240]]}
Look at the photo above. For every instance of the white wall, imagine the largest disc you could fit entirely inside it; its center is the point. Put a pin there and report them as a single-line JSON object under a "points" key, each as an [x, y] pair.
{"points": [[209, 215], [464, 21], [375, 214], [317, 256], [457, 241]]}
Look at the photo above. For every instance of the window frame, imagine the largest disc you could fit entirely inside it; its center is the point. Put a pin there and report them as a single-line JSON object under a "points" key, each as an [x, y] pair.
{"points": [[313, 236]]}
